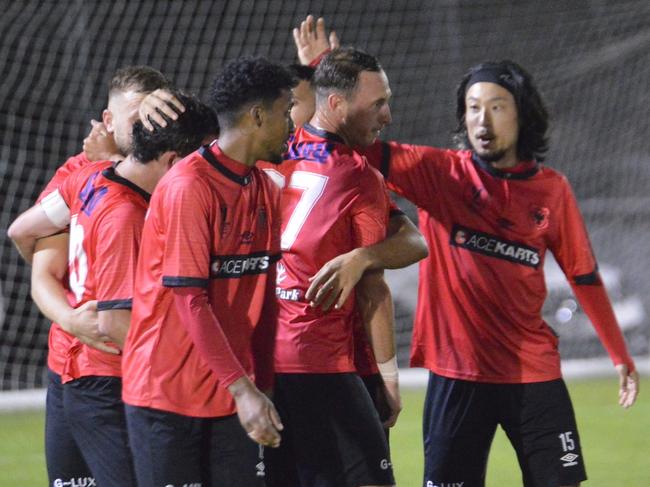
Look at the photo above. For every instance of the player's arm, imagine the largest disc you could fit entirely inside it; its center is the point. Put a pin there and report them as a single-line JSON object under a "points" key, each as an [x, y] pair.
{"points": [[334, 282], [573, 252], [48, 271], [46, 218], [312, 41], [375, 304]]}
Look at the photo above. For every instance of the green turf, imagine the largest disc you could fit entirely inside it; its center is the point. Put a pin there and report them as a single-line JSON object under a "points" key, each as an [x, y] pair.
{"points": [[615, 443]]}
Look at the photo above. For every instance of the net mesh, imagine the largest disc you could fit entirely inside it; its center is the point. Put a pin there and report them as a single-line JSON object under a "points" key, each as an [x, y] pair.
{"points": [[591, 61]]}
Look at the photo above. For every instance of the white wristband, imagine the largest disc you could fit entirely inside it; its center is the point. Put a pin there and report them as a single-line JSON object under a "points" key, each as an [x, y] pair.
{"points": [[388, 369]]}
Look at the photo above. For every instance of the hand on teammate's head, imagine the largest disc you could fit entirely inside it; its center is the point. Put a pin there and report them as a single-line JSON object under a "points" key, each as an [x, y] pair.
{"points": [[157, 105]]}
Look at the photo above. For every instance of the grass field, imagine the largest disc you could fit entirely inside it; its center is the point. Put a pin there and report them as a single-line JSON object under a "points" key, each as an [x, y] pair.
{"points": [[615, 443]]}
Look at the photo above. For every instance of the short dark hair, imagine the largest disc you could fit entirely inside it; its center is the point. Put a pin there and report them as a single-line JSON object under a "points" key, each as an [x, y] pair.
{"points": [[301, 72], [141, 79], [532, 142], [340, 70], [246, 80], [183, 135]]}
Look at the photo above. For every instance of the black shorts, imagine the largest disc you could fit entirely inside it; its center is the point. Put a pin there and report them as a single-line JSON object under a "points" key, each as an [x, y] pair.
{"points": [[65, 463], [375, 387], [332, 435], [172, 449], [460, 419], [95, 413]]}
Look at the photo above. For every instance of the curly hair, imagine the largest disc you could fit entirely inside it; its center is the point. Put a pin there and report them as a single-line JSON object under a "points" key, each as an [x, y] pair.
{"points": [[183, 135], [340, 70], [246, 80], [532, 142]]}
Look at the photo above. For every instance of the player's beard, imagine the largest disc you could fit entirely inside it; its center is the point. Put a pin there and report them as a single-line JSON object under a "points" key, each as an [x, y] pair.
{"points": [[493, 156]]}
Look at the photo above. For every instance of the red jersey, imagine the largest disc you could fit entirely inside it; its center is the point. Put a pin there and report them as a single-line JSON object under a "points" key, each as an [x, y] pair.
{"points": [[213, 223], [106, 218], [332, 202], [59, 341], [482, 288]]}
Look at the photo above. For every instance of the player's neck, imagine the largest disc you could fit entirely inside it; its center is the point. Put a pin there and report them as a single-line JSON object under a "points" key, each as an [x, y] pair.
{"points": [[145, 176], [238, 146], [324, 121]]}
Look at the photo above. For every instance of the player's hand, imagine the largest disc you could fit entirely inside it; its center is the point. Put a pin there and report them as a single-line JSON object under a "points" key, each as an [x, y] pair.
{"points": [[157, 103], [628, 386], [394, 400], [311, 42], [334, 282], [256, 412], [83, 323], [100, 145]]}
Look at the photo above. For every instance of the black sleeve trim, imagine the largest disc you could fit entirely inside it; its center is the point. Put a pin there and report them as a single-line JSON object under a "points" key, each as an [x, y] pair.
{"points": [[114, 304], [591, 279], [384, 167], [184, 282]]}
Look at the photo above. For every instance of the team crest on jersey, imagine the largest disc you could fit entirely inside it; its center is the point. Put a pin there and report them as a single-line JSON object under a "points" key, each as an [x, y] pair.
{"points": [[539, 215], [494, 246]]}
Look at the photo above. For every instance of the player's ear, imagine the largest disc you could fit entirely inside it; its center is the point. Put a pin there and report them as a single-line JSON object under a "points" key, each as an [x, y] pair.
{"points": [[337, 104], [107, 118], [257, 114]]}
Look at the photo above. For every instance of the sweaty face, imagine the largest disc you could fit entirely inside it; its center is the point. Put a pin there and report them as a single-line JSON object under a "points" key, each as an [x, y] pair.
{"points": [[277, 126], [368, 111], [304, 103], [123, 113], [492, 123]]}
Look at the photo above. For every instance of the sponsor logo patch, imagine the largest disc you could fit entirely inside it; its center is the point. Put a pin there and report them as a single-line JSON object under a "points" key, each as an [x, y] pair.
{"points": [[227, 266], [494, 246]]}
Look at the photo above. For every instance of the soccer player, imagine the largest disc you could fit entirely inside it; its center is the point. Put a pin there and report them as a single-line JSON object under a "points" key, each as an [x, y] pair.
{"points": [[204, 310], [490, 211], [105, 207], [332, 202], [65, 462]]}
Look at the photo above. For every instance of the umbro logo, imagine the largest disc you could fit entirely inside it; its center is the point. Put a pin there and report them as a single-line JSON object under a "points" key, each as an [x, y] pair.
{"points": [[569, 460]]}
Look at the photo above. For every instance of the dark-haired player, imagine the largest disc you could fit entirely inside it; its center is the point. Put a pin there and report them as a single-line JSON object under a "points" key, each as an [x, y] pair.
{"points": [[127, 87], [332, 202], [105, 207], [204, 312], [490, 211]]}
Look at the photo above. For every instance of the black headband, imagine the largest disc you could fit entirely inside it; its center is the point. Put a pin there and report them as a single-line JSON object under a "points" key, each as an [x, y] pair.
{"points": [[493, 74]]}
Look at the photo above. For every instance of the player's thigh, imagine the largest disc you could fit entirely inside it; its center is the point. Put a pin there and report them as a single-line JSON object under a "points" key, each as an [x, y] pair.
{"points": [[168, 448], [65, 463], [233, 459], [335, 434], [95, 412], [458, 427], [540, 423]]}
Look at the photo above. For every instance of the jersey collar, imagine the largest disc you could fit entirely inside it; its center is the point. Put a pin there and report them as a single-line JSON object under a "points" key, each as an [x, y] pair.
{"points": [[523, 170], [232, 169], [322, 133], [110, 174]]}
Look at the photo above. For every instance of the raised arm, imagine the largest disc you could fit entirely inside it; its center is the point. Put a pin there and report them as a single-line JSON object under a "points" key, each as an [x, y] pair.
{"points": [[312, 41]]}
